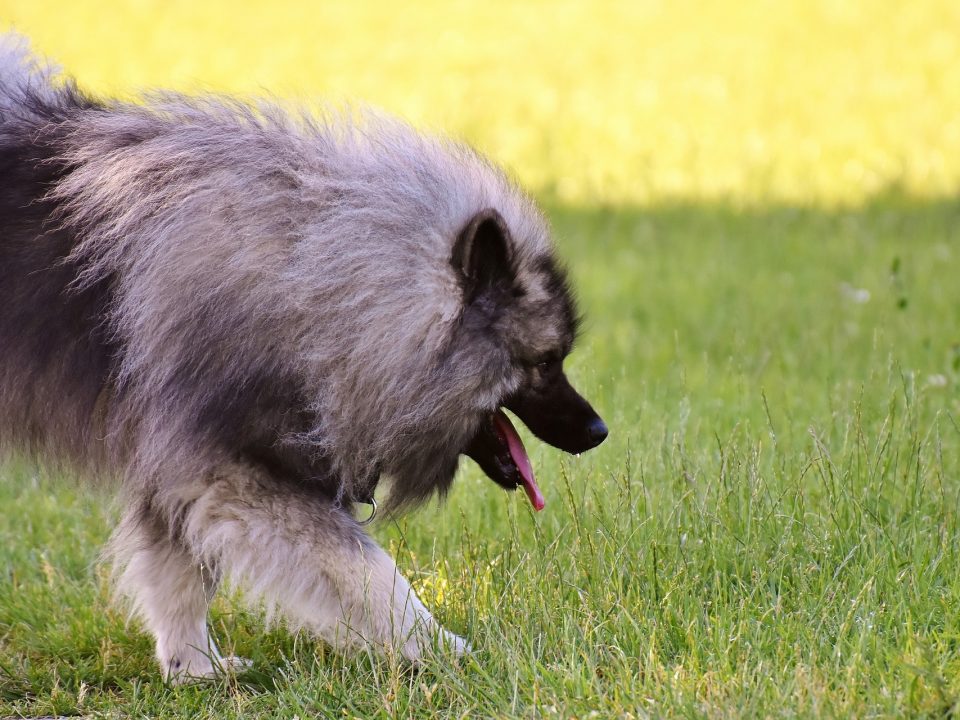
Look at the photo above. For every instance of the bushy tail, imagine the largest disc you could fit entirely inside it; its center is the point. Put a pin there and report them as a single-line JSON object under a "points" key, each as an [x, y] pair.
{"points": [[23, 76]]}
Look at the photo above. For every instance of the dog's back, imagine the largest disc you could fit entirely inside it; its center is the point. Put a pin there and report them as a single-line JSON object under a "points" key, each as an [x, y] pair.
{"points": [[55, 357]]}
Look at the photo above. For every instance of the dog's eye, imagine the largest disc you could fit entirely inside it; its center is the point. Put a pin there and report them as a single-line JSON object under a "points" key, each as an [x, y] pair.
{"points": [[542, 366], [545, 366]]}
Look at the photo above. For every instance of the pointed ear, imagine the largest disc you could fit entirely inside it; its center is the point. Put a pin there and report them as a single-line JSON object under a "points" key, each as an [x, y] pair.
{"points": [[483, 254]]}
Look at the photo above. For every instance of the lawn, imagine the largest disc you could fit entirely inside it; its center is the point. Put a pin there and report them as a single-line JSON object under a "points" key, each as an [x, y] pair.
{"points": [[758, 206]]}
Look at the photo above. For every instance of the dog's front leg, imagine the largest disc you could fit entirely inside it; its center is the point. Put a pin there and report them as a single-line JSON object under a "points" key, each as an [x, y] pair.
{"points": [[311, 561], [170, 590]]}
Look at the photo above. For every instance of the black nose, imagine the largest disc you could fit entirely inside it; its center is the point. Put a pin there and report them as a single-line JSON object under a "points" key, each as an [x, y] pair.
{"points": [[596, 431]]}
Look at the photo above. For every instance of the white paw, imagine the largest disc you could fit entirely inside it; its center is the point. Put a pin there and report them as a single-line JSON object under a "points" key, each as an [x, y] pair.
{"points": [[234, 665], [455, 644], [203, 667], [434, 640]]}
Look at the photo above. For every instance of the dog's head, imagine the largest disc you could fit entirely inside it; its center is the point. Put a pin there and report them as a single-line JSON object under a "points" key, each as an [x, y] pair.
{"points": [[520, 307], [425, 300]]}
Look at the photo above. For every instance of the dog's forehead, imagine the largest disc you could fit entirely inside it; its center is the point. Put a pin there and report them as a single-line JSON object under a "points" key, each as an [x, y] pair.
{"points": [[549, 307]]}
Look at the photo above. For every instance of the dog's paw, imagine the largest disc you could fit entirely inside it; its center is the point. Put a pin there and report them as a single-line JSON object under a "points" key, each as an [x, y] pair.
{"points": [[449, 643], [235, 665], [204, 668], [179, 673], [434, 641]]}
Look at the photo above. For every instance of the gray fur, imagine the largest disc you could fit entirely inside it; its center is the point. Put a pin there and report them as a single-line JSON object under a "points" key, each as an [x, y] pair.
{"points": [[22, 72], [273, 321], [331, 239]]}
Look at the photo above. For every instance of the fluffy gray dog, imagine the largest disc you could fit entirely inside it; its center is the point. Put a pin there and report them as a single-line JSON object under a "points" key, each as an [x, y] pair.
{"points": [[250, 317]]}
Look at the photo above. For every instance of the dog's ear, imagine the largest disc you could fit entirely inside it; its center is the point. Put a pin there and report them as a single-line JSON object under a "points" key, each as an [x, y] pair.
{"points": [[483, 255]]}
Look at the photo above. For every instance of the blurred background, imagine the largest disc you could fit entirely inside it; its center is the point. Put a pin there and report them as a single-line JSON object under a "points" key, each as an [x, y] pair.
{"points": [[804, 101]]}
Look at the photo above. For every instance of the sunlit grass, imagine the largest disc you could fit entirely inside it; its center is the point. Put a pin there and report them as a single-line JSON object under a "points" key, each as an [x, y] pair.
{"points": [[770, 531], [809, 101]]}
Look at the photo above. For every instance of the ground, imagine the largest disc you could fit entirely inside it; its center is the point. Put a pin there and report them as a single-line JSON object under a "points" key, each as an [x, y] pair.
{"points": [[759, 210]]}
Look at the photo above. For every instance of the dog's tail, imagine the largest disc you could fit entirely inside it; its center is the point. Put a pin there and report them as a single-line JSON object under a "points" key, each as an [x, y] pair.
{"points": [[25, 78]]}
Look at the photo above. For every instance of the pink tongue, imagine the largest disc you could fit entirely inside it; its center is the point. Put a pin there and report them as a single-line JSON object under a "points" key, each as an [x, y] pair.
{"points": [[519, 455]]}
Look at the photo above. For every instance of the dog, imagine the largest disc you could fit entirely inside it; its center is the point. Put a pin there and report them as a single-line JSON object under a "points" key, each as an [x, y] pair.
{"points": [[248, 316]]}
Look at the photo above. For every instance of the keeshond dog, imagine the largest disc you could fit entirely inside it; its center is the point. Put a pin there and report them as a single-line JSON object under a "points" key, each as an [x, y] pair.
{"points": [[251, 316]]}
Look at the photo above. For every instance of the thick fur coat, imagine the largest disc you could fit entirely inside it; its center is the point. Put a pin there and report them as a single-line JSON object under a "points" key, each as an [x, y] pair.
{"points": [[249, 316]]}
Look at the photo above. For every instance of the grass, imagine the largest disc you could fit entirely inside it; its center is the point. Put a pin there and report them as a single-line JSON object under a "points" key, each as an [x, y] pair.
{"points": [[757, 204], [771, 530]]}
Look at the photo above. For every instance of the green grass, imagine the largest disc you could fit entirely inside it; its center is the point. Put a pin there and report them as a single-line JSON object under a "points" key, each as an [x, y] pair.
{"points": [[770, 531]]}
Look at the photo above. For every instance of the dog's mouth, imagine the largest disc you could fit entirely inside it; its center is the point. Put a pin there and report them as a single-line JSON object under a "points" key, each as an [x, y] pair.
{"points": [[499, 452]]}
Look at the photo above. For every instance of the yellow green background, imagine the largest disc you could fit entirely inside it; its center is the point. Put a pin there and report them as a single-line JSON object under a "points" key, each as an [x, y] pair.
{"points": [[802, 101]]}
